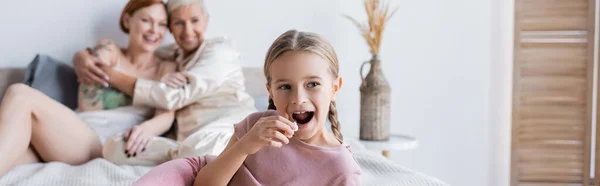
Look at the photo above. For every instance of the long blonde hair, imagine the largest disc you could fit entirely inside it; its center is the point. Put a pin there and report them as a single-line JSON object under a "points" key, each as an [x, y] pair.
{"points": [[293, 40]]}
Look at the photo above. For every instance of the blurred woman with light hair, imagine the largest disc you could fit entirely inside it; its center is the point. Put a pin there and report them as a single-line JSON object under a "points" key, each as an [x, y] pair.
{"points": [[207, 91]]}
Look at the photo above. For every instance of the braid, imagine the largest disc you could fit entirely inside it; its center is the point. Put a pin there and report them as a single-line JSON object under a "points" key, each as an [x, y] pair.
{"points": [[271, 105], [335, 124]]}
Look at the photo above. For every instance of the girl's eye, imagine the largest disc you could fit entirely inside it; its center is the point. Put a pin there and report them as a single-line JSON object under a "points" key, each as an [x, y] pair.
{"points": [[312, 84], [285, 87]]}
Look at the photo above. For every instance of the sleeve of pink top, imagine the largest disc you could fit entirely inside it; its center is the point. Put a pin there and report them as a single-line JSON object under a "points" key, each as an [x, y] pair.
{"points": [[178, 172]]}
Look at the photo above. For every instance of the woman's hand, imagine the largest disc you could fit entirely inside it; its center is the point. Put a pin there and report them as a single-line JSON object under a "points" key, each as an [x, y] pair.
{"points": [[271, 131], [88, 69], [174, 79], [136, 140]]}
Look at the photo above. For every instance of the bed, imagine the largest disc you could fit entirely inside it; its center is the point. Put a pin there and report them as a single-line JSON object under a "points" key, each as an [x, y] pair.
{"points": [[377, 169]]}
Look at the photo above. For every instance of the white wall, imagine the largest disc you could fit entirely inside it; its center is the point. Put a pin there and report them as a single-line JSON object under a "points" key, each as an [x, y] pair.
{"points": [[501, 91], [436, 54]]}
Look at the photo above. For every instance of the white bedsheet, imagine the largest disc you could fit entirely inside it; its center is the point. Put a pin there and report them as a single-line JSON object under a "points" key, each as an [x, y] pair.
{"points": [[377, 171]]}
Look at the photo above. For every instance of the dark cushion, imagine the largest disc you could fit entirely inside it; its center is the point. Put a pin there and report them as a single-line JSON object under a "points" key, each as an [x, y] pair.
{"points": [[55, 79]]}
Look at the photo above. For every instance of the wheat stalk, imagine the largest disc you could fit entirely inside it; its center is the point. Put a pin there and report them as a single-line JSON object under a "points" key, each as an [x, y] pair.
{"points": [[377, 16]]}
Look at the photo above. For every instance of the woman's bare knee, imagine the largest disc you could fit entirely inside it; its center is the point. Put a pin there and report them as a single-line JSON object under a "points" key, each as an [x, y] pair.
{"points": [[30, 156], [17, 88], [18, 91]]}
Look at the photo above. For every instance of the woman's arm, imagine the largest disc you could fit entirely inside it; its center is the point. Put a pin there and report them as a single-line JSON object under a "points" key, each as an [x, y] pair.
{"points": [[160, 123], [123, 82], [218, 63], [93, 97], [87, 68], [126, 83], [138, 137], [106, 50], [89, 63]]}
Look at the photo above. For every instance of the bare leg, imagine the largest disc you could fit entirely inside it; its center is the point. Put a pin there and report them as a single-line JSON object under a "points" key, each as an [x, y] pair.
{"points": [[27, 116], [29, 157]]}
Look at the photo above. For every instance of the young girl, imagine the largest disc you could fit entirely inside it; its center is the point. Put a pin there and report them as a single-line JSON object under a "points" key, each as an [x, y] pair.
{"points": [[289, 145]]}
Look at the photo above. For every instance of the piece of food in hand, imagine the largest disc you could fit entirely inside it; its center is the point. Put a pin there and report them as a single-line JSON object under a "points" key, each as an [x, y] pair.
{"points": [[293, 131], [296, 124]]}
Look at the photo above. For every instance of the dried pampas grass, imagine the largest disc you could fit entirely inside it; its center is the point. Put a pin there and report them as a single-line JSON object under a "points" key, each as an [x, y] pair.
{"points": [[377, 14]]}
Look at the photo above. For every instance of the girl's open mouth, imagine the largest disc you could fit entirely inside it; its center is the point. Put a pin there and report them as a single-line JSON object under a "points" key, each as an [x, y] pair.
{"points": [[303, 117]]}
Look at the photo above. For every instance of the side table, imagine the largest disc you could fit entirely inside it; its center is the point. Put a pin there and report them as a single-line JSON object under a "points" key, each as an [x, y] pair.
{"points": [[396, 142]]}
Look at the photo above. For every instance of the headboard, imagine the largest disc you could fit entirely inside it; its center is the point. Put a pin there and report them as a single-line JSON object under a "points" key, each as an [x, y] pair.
{"points": [[254, 79]]}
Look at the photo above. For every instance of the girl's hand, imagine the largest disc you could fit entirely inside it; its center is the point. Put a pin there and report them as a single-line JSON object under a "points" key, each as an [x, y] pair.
{"points": [[174, 79], [271, 131], [136, 140]]}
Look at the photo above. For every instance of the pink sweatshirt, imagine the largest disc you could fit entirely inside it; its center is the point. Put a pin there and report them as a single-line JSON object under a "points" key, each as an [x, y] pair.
{"points": [[296, 163]]}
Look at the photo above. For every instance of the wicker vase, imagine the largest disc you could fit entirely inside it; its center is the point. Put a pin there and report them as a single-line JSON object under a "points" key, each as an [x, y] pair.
{"points": [[374, 103]]}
